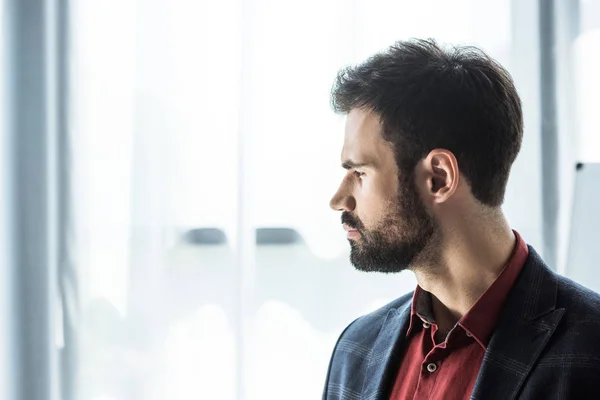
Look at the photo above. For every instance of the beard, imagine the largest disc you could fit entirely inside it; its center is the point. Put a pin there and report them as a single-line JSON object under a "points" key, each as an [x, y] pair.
{"points": [[396, 242]]}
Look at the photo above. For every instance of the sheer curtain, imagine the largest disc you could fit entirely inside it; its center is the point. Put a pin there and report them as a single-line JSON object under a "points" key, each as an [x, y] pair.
{"points": [[210, 266]]}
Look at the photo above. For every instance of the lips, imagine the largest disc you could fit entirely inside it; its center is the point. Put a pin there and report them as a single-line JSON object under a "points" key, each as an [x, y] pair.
{"points": [[351, 225], [352, 233], [348, 228]]}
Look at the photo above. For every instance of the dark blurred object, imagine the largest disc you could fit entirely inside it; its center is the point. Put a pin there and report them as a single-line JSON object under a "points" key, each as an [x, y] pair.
{"points": [[205, 236], [277, 236]]}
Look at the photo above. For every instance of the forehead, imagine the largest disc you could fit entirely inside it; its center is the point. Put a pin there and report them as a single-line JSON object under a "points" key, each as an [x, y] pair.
{"points": [[362, 139]]}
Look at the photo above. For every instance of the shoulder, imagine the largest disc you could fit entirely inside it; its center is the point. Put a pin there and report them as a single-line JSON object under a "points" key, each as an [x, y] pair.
{"points": [[352, 351], [369, 325], [582, 305], [359, 336], [572, 358], [576, 337]]}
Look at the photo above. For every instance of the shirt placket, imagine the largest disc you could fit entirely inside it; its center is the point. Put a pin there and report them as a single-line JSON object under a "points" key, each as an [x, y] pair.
{"points": [[432, 363]]}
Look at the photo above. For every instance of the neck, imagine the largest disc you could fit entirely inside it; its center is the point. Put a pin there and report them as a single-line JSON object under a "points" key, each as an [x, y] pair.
{"points": [[469, 259]]}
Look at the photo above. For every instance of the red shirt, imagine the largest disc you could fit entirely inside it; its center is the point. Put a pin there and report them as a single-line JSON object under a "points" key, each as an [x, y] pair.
{"points": [[449, 369]]}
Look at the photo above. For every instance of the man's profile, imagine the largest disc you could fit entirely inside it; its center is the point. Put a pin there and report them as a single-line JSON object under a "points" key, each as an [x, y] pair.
{"points": [[431, 135]]}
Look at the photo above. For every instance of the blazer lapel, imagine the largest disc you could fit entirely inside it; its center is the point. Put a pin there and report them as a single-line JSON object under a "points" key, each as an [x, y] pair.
{"points": [[386, 351], [528, 321]]}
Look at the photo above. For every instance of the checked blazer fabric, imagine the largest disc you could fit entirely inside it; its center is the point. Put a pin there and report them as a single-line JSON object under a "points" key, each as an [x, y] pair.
{"points": [[546, 345]]}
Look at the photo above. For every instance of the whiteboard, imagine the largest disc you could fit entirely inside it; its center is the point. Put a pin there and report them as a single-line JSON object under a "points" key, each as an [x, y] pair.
{"points": [[583, 262]]}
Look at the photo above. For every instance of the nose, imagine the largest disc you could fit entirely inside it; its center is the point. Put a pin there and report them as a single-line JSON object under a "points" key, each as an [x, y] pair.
{"points": [[342, 200]]}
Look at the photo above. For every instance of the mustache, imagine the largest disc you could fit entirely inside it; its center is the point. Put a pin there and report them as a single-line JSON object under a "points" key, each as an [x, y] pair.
{"points": [[352, 221]]}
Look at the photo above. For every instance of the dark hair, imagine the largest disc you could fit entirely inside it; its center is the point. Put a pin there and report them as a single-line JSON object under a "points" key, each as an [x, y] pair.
{"points": [[428, 97]]}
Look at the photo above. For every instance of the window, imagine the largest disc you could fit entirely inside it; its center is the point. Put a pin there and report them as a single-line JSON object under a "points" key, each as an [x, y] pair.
{"points": [[163, 91]]}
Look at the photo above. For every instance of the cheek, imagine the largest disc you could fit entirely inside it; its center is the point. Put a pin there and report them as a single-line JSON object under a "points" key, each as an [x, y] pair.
{"points": [[373, 210], [380, 188]]}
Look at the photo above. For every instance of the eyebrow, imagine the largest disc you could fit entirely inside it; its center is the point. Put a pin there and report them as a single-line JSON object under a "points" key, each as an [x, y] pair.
{"points": [[349, 164]]}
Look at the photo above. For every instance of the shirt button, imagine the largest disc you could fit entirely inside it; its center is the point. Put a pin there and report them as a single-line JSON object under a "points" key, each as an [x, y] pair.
{"points": [[426, 325], [431, 367]]}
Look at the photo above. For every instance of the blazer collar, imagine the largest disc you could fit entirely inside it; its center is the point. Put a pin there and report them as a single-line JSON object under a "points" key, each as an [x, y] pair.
{"points": [[386, 354], [526, 324]]}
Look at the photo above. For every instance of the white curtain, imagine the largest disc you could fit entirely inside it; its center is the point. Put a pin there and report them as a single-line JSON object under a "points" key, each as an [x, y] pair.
{"points": [[202, 118]]}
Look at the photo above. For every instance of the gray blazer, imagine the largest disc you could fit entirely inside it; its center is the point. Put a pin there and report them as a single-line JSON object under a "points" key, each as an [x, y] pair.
{"points": [[546, 345]]}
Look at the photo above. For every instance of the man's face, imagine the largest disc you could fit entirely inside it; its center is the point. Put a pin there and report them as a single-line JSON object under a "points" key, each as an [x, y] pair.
{"points": [[388, 225]]}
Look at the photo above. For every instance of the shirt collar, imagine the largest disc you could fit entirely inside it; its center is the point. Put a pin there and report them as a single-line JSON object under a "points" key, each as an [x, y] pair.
{"points": [[420, 309]]}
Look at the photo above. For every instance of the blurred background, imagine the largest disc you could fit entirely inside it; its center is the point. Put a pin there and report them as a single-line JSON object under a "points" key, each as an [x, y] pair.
{"points": [[166, 167]]}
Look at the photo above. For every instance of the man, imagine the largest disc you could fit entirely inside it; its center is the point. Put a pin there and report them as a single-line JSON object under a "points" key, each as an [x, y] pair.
{"points": [[431, 135]]}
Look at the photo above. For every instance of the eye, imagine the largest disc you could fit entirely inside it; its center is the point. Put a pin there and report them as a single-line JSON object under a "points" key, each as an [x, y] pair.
{"points": [[359, 174]]}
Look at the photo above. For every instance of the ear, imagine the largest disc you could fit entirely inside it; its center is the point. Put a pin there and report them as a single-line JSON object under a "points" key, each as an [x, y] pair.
{"points": [[440, 175]]}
